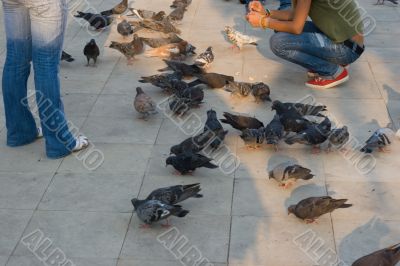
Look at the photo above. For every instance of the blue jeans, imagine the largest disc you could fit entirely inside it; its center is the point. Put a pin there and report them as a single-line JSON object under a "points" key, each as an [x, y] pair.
{"points": [[285, 4], [312, 50], [35, 32]]}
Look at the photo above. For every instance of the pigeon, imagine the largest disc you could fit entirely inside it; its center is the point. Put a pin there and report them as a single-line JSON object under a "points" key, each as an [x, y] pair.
{"points": [[380, 139], [291, 120], [164, 26], [261, 92], [310, 209], [303, 109], [212, 80], [193, 96], [241, 122], [91, 51], [242, 88], [188, 162], [193, 144], [162, 81], [116, 10], [205, 59], [97, 21], [130, 49], [147, 14], [218, 139], [274, 132], [157, 42], [381, 2], [150, 211], [178, 105], [314, 134], [239, 39], [178, 86], [66, 57], [338, 137], [287, 173], [177, 3], [212, 122], [253, 137], [185, 69], [175, 194], [124, 28], [178, 13], [144, 104], [389, 256], [175, 51]]}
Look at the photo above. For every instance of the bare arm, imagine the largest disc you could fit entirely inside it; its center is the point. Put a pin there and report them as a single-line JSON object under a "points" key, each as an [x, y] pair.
{"points": [[284, 15], [295, 26]]}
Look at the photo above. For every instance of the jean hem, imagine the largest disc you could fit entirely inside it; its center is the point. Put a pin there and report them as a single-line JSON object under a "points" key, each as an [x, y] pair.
{"points": [[14, 144], [55, 157]]}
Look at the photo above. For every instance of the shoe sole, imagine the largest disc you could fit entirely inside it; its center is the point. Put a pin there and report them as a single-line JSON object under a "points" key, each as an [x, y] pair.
{"points": [[311, 75], [333, 84]]}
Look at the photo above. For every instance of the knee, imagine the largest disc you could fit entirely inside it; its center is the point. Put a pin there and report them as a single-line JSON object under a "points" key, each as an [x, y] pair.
{"points": [[278, 43]]}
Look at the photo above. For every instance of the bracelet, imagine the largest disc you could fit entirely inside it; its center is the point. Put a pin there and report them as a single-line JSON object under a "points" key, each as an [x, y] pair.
{"points": [[268, 12], [264, 22]]}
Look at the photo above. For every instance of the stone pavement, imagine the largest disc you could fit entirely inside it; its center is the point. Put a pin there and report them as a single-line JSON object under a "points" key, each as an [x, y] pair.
{"points": [[242, 219]]}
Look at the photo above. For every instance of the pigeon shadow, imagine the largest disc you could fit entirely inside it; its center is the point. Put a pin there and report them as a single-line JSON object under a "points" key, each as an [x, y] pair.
{"points": [[393, 105], [303, 192], [363, 240]]}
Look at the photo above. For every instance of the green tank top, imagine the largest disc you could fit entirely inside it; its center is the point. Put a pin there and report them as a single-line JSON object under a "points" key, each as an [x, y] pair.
{"points": [[338, 19]]}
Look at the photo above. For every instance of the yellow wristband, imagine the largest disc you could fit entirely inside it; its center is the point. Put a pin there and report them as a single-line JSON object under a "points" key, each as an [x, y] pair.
{"points": [[264, 22]]}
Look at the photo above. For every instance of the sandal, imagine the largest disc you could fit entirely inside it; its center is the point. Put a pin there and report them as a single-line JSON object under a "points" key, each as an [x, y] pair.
{"points": [[82, 142]]}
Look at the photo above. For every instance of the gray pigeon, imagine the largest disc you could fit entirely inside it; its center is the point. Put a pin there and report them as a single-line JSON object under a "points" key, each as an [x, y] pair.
{"points": [[150, 211], [242, 88], [205, 59], [338, 137], [178, 13], [212, 122], [303, 109], [310, 209], [241, 122], [253, 137], [287, 173], [124, 28], [147, 14], [91, 51], [66, 57], [188, 162], [212, 80], [274, 132], [314, 134], [163, 81], [193, 144], [389, 256], [175, 194], [177, 3], [144, 104], [185, 69], [290, 118], [261, 92], [381, 138], [218, 139]]}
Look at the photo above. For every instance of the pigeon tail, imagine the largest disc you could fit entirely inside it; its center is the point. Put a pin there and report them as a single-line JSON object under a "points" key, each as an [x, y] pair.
{"points": [[182, 213], [107, 12], [346, 205], [210, 165], [254, 43], [366, 149], [195, 83], [270, 174]]}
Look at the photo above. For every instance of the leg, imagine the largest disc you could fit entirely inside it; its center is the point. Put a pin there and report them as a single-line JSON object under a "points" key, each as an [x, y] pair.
{"points": [[48, 25], [313, 50], [20, 124]]}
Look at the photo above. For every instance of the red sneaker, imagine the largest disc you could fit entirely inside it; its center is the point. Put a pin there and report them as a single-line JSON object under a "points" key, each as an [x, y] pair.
{"points": [[311, 74], [324, 83]]}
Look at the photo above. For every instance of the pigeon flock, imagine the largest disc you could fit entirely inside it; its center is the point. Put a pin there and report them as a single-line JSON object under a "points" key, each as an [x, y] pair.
{"points": [[292, 123]]}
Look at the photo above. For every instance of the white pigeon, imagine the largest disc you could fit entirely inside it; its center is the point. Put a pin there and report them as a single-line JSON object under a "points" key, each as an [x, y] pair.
{"points": [[238, 39]]}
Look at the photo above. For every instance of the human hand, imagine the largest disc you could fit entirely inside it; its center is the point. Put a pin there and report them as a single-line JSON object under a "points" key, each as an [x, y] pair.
{"points": [[256, 6], [255, 19]]}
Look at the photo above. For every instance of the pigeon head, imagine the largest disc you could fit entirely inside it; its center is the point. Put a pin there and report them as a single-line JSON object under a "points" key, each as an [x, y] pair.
{"points": [[176, 149], [339, 136], [227, 29], [209, 49], [114, 45], [170, 160], [92, 42], [139, 90], [136, 202], [291, 209], [190, 48], [278, 106], [211, 114]]}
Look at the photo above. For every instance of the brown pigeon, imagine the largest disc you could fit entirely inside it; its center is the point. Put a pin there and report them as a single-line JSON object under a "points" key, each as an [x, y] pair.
{"points": [[385, 257], [144, 104]]}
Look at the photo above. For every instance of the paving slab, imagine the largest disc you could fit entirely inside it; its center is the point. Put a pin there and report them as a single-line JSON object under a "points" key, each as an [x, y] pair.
{"points": [[35, 261], [22, 190], [12, 225], [267, 240], [3, 260], [80, 234], [91, 192], [209, 234]]}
